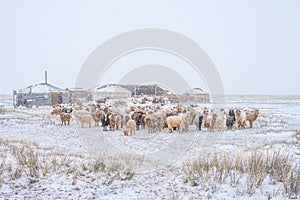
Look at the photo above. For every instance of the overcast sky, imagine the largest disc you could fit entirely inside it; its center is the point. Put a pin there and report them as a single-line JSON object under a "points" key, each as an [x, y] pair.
{"points": [[255, 45]]}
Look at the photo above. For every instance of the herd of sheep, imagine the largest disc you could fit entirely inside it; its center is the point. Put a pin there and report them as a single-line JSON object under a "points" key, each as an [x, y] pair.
{"points": [[129, 118]]}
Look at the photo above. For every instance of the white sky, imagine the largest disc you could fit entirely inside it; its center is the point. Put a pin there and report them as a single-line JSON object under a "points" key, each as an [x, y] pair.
{"points": [[255, 45]]}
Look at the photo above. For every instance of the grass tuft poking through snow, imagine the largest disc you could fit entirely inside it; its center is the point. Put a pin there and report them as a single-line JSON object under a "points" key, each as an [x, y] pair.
{"points": [[247, 172], [20, 158]]}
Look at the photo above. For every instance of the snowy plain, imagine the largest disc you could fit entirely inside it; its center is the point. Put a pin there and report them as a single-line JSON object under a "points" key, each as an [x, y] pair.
{"points": [[159, 175]]}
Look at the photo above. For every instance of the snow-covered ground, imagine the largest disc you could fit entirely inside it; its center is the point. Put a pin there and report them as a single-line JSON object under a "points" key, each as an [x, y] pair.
{"points": [[157, 158]]}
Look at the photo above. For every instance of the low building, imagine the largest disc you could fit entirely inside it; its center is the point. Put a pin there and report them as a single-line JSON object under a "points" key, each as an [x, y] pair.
{"points": [[78, 95], [194, 95], [39, 95], [113, 91], [148, 90]]}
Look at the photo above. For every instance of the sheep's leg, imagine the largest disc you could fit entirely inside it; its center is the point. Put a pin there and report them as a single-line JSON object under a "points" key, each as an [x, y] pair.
{"points": [[251, 124], [170, 129]]}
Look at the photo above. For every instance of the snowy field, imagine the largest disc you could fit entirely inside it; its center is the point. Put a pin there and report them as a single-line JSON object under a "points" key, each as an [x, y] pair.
{"points": [[43, 160]]}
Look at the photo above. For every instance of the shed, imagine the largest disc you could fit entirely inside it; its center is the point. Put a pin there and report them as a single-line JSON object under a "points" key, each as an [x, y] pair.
{"points": [[195, 95], [78, 95], [39, 95], [110, 91]]}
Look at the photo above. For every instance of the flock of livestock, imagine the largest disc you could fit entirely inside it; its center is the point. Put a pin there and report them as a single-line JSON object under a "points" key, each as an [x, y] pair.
{"points": [[155, 118]]}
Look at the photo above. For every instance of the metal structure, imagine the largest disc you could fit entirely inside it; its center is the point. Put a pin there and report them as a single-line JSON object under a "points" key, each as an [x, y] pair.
{"points": [[39, 95]]}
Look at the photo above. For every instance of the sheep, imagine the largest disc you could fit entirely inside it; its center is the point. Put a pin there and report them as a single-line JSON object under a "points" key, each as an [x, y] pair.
{"points": [[161, 120], [207, 118], [241, 118], [115, 122], [187, 119], [65, 118], [251, 116], [230, 119], [221, 122], [184, 122], [56, 110], [138, 117], [105, 120], [151, 123], [182, 127], [97, 115], [85, 119], [125, 119], [112, 124], [173, 122], [130, 128], [77, 113], [198, 121], [213, 122], [118, 120]]}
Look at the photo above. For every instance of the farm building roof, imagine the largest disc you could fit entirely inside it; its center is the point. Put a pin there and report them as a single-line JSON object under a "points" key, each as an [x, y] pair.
{"points": [[41, 88], [196, 91]]}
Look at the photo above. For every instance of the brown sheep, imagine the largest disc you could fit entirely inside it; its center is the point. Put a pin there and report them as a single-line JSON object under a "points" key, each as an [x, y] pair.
{"points": [[130, 128], [65, 118], [241, 118], [112, 122], [251, 116], [118, 120], [97, 116]]}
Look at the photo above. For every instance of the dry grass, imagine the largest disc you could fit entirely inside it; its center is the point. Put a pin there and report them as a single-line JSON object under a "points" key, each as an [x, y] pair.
{"points": [[2, 110], [250, 170], [20, 158]]}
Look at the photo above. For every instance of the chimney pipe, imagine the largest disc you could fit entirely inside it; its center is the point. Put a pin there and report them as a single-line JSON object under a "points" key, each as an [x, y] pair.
{"points": [[46, 81]]}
